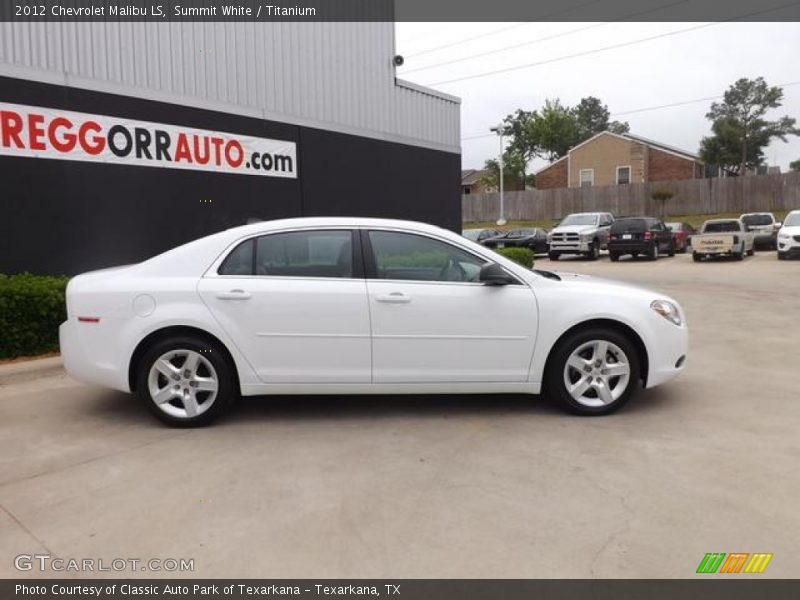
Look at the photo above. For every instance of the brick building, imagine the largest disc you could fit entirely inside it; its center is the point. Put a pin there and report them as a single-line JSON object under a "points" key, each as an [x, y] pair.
{"points": [[614, 159]]}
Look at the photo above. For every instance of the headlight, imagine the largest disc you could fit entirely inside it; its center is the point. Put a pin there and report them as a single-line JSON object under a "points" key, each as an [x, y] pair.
{"points": [[667, 310], [586, 236], [783, 236]]}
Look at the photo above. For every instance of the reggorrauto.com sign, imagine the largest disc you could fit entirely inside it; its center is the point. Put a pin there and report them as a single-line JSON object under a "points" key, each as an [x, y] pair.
{"points": [[50, 133]]}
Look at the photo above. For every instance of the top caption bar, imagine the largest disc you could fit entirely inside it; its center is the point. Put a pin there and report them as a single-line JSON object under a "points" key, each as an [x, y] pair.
{"points": [[398, 10]]}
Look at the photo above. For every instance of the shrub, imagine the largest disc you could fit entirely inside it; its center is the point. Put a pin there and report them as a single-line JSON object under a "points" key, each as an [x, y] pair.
{"points": [[31, 309], [522, 256]]}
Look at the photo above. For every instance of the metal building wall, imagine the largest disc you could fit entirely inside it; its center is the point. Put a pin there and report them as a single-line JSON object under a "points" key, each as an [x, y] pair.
{"points": [[335, 76]]}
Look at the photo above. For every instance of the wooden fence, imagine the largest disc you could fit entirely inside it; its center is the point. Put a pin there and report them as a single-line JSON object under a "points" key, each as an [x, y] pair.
{"points": [[691, 196]]}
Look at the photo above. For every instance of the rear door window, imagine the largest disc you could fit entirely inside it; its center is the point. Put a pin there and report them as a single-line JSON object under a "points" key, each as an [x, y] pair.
{"points": [[325, 253]]}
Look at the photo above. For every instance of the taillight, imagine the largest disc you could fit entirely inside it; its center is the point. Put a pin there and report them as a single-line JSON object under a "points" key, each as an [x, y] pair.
{"points": [[647, 235], [88, 319]]}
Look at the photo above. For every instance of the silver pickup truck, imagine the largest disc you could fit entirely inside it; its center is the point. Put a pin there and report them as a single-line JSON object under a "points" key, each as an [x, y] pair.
{"points": [[580, 233], [723, 237]]}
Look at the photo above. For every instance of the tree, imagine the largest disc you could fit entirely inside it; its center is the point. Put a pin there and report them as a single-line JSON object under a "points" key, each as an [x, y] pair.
{"points": [[555, 130], [592, 118], [662, 196], [740, 131], [795, 165], [550, 132], [514, 167]]}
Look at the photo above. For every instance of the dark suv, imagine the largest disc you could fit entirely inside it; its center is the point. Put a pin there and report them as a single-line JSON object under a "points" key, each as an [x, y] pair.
{"points": [[640, 235]]}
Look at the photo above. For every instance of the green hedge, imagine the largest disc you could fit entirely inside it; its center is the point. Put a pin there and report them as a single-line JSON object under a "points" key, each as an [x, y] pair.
{"points": [[523, 256], [31, 309]]}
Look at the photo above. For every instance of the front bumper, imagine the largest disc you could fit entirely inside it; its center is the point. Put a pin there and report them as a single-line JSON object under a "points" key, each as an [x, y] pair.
{"points": [[789, 247], [569, 247], [667, 356]]}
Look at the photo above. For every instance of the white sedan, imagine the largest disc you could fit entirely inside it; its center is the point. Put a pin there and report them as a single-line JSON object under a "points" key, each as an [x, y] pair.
{"points": [[360, 306]]}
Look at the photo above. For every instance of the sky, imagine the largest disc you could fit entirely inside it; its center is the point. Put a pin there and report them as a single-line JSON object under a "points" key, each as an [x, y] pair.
{"points": [[676, 66]]}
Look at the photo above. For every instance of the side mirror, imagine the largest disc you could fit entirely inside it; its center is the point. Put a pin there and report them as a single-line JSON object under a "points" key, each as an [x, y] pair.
{"points": [[494, 274], [778, 225]]}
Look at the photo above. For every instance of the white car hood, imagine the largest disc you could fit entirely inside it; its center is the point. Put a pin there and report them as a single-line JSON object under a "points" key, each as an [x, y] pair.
{"points": [[574, 228], [793, 230], [588, 284]]}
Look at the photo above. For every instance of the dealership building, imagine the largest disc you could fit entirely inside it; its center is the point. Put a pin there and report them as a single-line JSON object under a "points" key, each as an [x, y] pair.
{"points": [[120, 140]]}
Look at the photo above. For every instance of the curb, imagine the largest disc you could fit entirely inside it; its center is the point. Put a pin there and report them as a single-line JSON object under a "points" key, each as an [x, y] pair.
{"points": [[30, 369]]}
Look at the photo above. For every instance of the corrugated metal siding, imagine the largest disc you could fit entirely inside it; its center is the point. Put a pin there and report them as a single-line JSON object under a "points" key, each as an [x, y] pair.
{"points": [[331, 75]]}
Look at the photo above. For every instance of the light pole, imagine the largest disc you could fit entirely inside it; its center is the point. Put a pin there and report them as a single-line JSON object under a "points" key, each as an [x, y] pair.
{"points": [[499, 130]]}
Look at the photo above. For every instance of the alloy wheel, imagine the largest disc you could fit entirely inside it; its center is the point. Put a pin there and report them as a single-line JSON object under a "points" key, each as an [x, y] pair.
{"points": [[183, 383], [597, 373]]}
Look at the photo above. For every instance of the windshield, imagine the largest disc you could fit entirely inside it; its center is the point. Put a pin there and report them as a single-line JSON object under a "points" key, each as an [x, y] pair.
{"points": [[621, 225], [756, 220], [721, 227], [471, 234], [792, 220], [579, 220]]}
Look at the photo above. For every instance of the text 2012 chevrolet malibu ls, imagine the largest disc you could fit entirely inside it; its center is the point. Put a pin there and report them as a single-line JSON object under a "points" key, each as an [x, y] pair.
{"points": [[352, 306]]}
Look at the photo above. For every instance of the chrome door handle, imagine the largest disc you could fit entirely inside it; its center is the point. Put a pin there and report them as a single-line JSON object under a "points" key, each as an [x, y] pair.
{"points": [[394, 298], [234, 295]]}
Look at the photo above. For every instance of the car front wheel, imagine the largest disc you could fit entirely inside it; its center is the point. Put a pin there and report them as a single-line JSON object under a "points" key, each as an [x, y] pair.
{"points": [[593, 372], [185, 382]]}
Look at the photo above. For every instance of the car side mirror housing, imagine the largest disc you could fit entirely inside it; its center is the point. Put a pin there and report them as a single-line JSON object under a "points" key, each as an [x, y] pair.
{"points": [[494, 274], [778, 225]]}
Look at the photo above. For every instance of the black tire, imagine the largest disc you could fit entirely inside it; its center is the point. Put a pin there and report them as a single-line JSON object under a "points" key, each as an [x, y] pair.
{"points": [[652, 254], [740, 254], [696, 257], [226, 389], [781, 255], [553, 255], [671, 251], [613, 256], [594, 250], [555, 387], [752, 251]]}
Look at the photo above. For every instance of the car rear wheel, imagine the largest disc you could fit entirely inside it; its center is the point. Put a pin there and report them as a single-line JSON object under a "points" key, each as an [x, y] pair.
{"points": [[671, 251], [613, 256], [553, 255], [696, 257], [593, 372], [752, 251], [740, 254], [653, 252], [185, 381]]}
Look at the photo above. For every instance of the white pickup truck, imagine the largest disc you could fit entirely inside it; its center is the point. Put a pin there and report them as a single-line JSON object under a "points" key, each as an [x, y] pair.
{"points": [[723, 237]]}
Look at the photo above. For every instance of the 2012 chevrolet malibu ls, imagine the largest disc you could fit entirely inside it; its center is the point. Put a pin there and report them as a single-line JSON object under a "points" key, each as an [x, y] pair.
{"points": [[353, 306]]}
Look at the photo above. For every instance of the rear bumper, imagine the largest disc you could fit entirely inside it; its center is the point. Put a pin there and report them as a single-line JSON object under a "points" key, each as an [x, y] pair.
{"points": [[627, 247], [84, 352]]}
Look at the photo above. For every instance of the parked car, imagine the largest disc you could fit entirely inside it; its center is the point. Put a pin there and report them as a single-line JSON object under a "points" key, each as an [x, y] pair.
{"points": [[640, 235], [789, 236], [580, 233], [681, 232], [478, 235], [722, 237], [532, 238], [360, 306], [764, 227]]}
